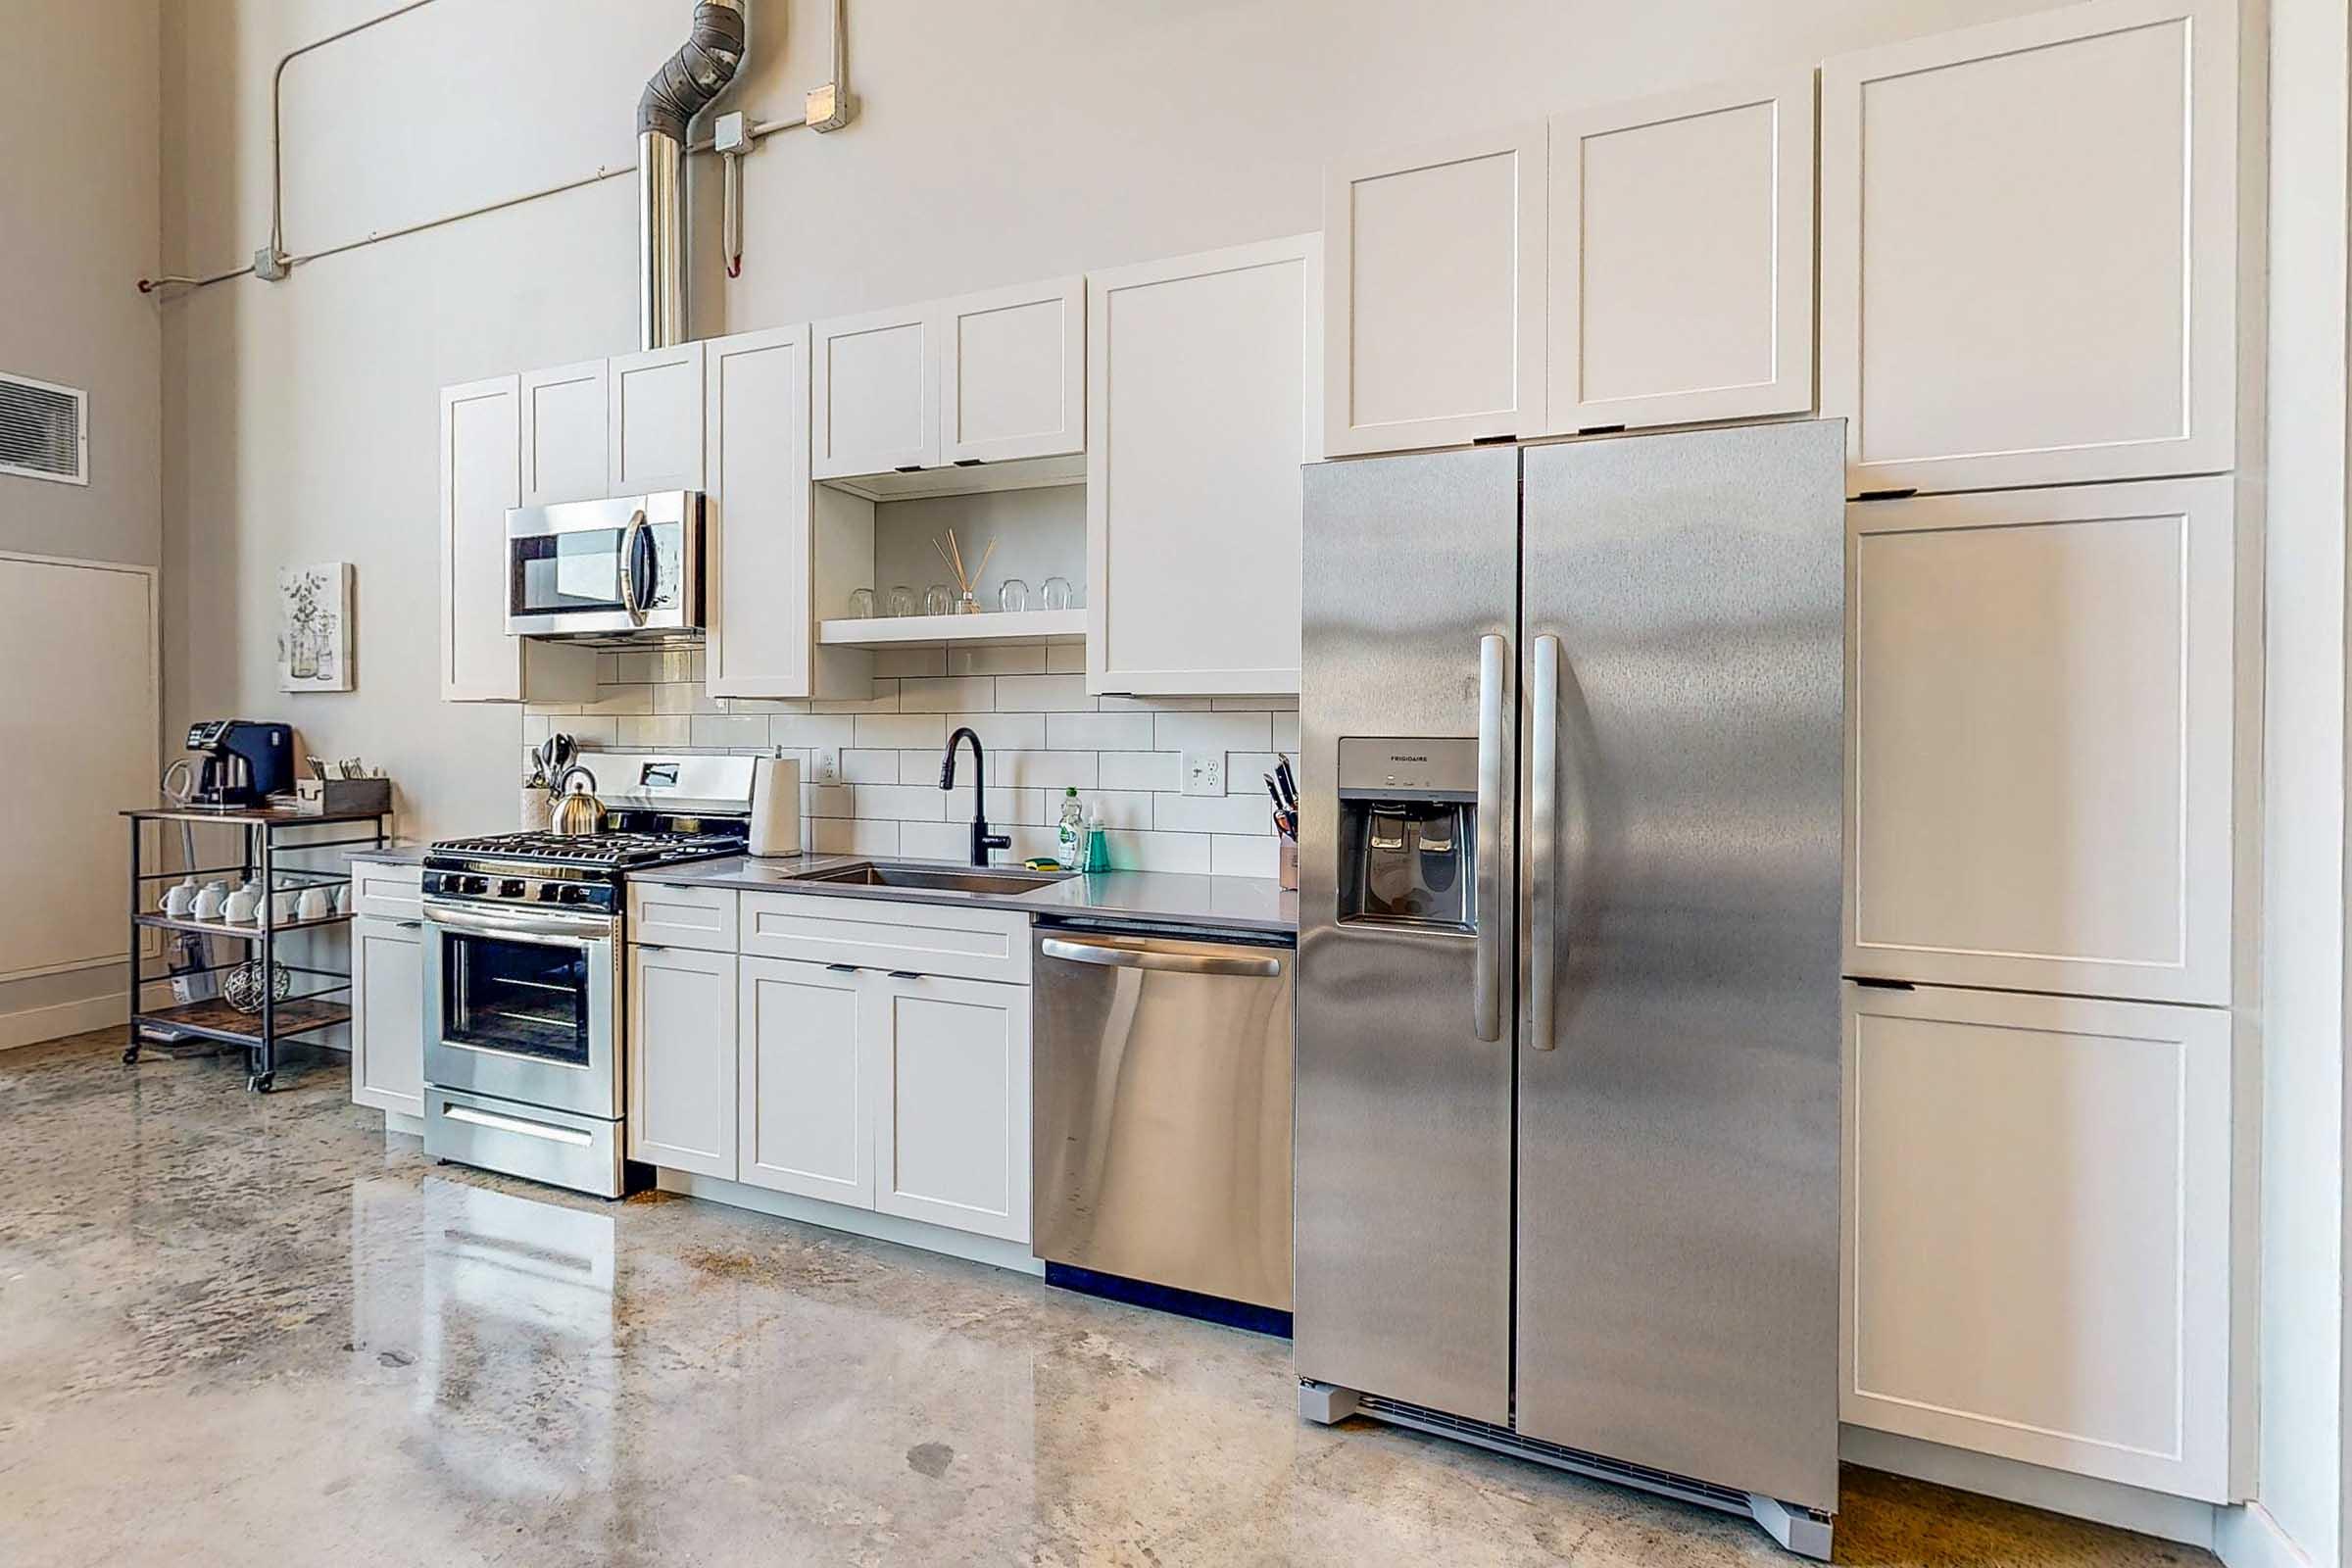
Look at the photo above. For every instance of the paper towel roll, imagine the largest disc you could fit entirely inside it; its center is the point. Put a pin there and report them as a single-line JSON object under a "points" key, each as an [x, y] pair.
{"points": [[776, 806]]}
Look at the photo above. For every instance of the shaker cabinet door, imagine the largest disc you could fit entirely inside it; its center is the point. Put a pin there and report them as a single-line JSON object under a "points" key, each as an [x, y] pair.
{"points": [[949, 1064], [387, 1016], [1012, 373], [653, 421], [479, 446], [758, 544], [2038, 1255], [872, 393], [565, 456], [1434, 314], [1681, 257], [2040, 744], [681, 1060], [1201, 404], [2029, 237], [805, 1081]]}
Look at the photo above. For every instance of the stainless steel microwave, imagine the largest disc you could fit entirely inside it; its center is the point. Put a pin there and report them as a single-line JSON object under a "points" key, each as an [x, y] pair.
{"points": [[604, 568]]}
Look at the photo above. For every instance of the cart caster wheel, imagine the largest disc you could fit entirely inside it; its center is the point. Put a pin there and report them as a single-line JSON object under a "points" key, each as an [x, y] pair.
{"points": [[262, 1083], [131, 1057]]}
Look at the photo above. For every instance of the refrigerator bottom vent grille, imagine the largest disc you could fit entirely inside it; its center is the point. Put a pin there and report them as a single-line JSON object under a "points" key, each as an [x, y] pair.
{"points": [[1598, 1466]]}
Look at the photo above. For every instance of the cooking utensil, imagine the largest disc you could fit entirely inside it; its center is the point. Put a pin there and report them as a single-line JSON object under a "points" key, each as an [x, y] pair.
{"points": [[1288, 780]]}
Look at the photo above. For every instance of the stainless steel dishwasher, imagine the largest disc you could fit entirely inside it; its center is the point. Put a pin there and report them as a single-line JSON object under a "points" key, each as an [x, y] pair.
{"points": [[1163, 1114]]}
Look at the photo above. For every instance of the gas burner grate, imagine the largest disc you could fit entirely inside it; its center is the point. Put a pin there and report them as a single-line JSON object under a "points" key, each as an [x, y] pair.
{"points": [[597, 849]]}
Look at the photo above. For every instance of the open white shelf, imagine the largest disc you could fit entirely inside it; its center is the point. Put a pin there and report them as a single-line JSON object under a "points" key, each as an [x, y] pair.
{"points": [[996, 626]]}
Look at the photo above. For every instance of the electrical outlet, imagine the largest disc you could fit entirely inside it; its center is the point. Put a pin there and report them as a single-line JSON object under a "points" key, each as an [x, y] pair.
{"points": [[1205, 773], [828, 764]]}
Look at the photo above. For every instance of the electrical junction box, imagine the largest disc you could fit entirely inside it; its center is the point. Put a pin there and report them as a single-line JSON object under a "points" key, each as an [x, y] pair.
{"points": [[731, 133]]}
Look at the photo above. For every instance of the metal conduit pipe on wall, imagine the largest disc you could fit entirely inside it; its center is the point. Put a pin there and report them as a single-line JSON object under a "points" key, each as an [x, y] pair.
{"points": [[680, 89], [830, 108]]}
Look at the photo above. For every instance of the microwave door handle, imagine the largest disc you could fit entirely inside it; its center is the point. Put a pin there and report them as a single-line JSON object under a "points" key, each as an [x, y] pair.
{"points": [[632, 598], [1486, 988], [1544, 842]]}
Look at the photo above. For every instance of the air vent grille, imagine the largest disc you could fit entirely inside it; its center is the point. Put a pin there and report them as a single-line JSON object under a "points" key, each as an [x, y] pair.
{"points": [[44, 430]]}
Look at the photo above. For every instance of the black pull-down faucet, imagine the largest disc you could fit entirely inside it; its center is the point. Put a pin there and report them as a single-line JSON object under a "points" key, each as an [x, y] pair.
{"points": [[983, 841]]}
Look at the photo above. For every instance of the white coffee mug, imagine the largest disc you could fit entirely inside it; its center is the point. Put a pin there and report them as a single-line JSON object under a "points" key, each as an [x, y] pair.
{"points": [[179, 898], [208, 901], [315, 904], [342, 898], [283, 905], [238, 906]]}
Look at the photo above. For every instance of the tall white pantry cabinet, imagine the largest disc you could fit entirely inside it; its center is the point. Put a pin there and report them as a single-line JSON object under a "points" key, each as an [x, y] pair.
{"points": [[2029, 301], [2029, 277]]}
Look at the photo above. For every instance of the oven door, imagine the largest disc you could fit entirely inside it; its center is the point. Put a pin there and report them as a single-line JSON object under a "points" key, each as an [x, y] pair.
{"points": [[523, 1005], [598, 568]]}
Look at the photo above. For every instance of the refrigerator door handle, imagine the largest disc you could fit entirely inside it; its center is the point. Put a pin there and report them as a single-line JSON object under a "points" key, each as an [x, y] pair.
{"points": [[1485, 995], [1544, 840]]}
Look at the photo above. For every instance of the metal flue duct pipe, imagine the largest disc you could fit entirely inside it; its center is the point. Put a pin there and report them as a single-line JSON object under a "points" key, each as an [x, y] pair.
{"points": [[687, 81]]}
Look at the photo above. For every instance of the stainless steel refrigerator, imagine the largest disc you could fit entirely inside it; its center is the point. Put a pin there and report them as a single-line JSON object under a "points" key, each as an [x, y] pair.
{"points": [[1568, 1050]]}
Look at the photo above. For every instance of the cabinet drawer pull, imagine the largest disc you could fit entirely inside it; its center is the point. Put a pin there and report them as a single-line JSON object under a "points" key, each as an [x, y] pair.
{"points": [[905, 974], [842, 969], [651, 947], [410, 925]]}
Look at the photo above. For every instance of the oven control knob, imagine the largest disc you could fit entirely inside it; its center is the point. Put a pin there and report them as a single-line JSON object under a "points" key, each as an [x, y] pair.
{"points": [[510, 887], [473, 883], [575, 894], [549, 892]]}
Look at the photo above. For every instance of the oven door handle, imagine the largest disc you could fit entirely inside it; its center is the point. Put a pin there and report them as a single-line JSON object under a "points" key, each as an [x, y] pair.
{"points": [[553, 930]]}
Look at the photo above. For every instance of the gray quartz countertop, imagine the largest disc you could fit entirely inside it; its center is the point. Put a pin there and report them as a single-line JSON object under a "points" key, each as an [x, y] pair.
{"points": [[1236, 903], [393, 855]]}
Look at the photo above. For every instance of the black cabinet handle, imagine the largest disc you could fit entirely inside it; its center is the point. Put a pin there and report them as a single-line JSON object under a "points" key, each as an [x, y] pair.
{"points": [[905, 974], [842, 969]]}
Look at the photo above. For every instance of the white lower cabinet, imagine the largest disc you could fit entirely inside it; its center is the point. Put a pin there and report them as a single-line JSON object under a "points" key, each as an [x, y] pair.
{"points": [[387, 1014], [949, 1064], [681, 1058], [2038, 1261], [802, 1126]]}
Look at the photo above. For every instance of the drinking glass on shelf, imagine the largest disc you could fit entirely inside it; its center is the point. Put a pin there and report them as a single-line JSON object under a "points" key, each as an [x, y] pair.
{"points": [[1012, 595], [1056, 593], [902, 600], [862, 604], [936, 599]]}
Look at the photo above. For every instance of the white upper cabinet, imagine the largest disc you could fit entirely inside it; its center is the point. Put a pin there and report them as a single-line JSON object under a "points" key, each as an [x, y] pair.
{"points": [[2028, 249], [1681, 257], [2039, 1262], [1012, 373], [757, 547], [1433, 305], [653, 421], [2039, 700], [1201, 394], [481, 480], [874, 393], [681, 1058], [564, 451]]}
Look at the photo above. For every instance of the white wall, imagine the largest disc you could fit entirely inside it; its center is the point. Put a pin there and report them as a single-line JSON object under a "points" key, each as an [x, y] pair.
{"points": [[997, 143], [79, 138]]}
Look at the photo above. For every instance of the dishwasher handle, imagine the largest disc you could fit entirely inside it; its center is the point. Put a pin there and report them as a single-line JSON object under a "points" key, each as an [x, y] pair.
{"points": [[1131, 958]]}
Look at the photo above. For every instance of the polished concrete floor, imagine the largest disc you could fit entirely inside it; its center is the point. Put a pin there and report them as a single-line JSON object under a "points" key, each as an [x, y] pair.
{"points": [[253, 1329]]}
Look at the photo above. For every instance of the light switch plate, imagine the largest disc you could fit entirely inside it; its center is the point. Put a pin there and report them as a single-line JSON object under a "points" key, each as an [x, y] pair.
{"points": [[1205, 773], [828, 764]]}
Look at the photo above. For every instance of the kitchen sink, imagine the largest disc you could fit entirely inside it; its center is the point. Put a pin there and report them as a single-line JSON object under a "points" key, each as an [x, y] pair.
{"points": [[936, 878]]}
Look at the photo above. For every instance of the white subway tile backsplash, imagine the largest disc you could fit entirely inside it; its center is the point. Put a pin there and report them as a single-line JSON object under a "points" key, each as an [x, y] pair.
{"points": [[1051, 770], [812, 730], [1246, 857], [1099, 732], [1214, 814], [1212, 732], [947, 694], [1043, 694], [893, 662], [1028, 703], [1012, 659], [1143, 770], [902, 731], [869, 767], [725, 732]]}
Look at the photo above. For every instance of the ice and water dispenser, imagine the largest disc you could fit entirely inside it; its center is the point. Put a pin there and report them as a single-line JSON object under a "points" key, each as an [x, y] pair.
{"points": [[1408, 832]]}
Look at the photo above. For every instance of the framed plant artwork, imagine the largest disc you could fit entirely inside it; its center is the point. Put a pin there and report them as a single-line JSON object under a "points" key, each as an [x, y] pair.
{"points": [[313, 629]]}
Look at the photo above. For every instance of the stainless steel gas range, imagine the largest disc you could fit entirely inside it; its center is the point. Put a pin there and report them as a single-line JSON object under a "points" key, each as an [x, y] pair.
{"points": [[525, 974]]}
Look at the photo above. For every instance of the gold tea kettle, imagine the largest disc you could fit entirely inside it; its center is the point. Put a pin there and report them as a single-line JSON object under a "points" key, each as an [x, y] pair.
{"points": [[579, 814]]}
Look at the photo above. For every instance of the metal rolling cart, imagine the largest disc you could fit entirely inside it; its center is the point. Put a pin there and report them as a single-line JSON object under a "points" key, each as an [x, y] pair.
{"points": [[265, 855]]}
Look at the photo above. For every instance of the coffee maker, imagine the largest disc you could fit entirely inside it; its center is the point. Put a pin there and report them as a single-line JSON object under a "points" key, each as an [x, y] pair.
{"points": [[245, 762]]}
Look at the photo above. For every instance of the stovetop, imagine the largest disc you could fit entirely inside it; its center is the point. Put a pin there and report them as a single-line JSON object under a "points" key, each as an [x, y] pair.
{"points": [[611, 853]]}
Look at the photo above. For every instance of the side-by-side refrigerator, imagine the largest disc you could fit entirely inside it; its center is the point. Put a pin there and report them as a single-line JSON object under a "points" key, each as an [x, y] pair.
{"points": [[1568, 1054]]}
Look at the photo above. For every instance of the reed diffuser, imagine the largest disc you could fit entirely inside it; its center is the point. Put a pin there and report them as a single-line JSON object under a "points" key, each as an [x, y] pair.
{"points": [[967, 583]]}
